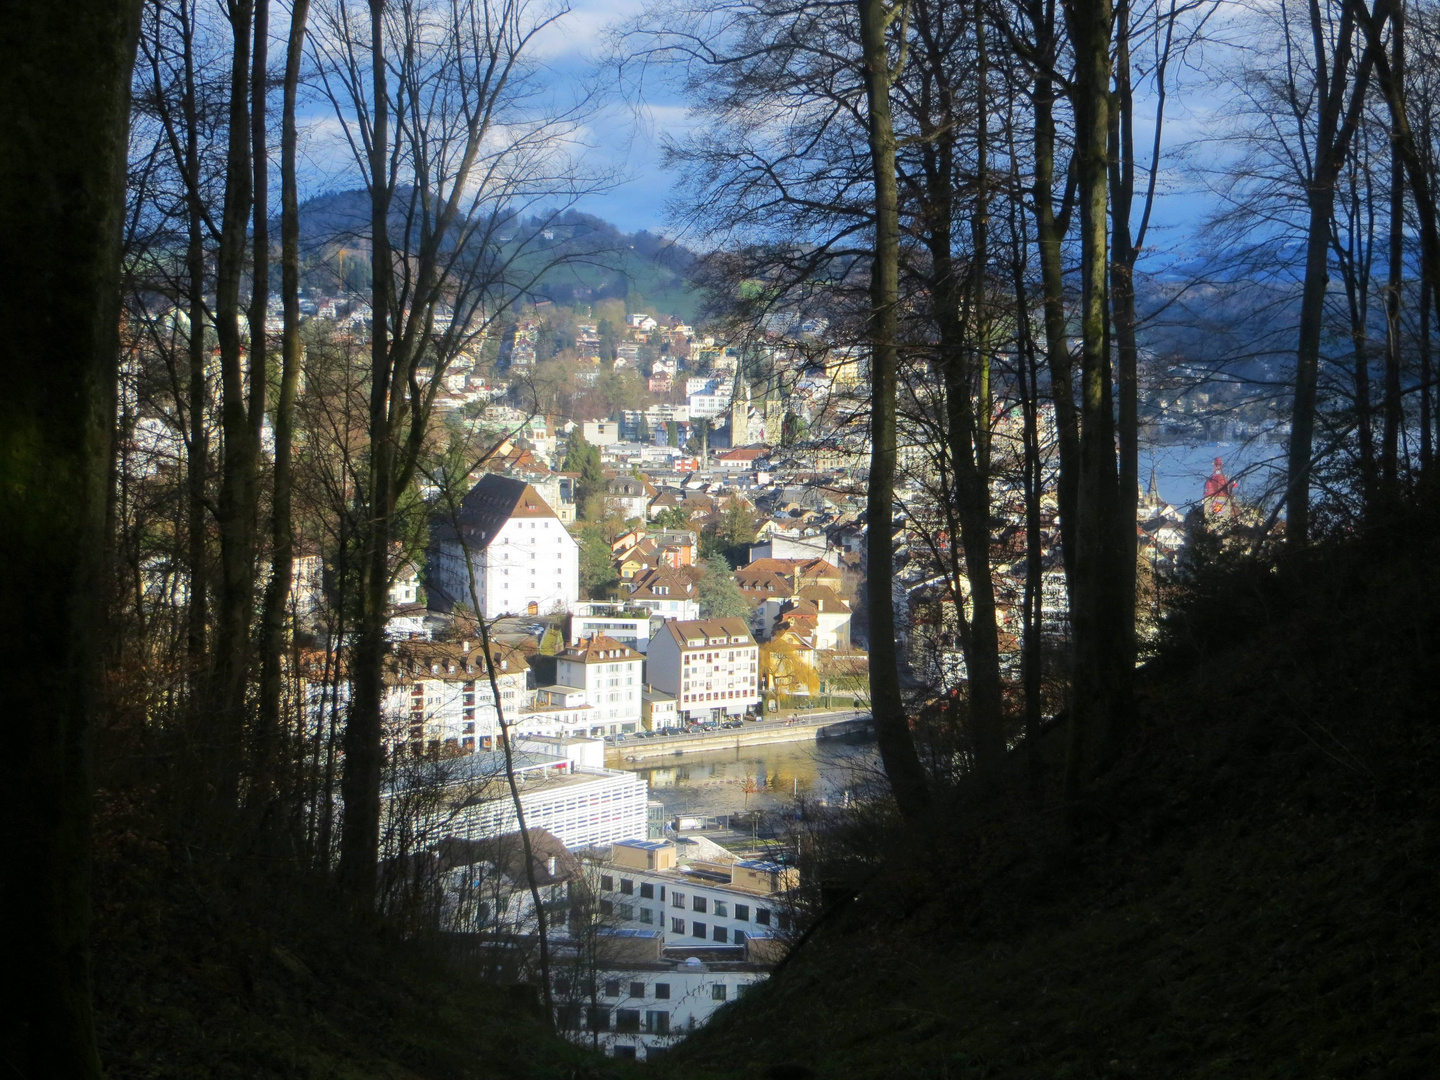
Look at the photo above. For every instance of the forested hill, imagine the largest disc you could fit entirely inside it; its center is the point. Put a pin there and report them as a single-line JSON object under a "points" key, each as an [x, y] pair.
{"points": [[1251, 893], [571, 256]]}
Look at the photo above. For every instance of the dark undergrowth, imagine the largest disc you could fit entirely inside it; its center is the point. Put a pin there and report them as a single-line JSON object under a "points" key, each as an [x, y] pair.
{"points": [[1252, 891], [211, 968]]}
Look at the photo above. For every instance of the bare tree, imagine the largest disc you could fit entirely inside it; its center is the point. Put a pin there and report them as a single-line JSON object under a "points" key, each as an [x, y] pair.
{"points": [[440, 108]]}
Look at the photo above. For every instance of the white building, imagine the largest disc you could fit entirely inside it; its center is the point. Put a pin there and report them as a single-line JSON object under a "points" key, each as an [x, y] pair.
{"points": [[643, 1008], [524, 559], [667, 593], [600, 432], [612, 620], [583, 806], [658, 711], [405, 586], [709, 665], [605, 675]]}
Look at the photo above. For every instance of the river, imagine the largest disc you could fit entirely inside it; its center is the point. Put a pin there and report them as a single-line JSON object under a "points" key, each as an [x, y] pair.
{"points": [[765, 777]]}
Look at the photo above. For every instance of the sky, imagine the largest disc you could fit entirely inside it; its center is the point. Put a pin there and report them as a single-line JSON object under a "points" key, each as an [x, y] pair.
{"points": [[624, 134], [627, 134]]}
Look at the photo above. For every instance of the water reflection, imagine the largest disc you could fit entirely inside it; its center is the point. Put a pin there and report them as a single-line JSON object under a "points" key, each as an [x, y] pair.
{"points": [[765, 777]]}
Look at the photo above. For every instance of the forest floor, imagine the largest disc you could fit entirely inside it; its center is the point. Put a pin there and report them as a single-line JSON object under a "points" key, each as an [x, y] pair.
{"points": [[237, 969], [1254, 891]]}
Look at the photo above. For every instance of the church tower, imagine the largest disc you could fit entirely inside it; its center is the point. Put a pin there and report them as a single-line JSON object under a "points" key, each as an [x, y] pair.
{"points": [[740, 413]]}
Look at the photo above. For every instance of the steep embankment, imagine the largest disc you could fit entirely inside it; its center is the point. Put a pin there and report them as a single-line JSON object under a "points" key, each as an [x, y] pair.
{"points": [[1252, 893]]}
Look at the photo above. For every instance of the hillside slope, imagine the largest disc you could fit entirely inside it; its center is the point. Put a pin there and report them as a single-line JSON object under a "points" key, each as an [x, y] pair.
{"points": [[1252, 892]]}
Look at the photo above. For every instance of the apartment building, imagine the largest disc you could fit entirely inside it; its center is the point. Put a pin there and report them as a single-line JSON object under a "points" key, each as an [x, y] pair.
{"points": [[710, 666]]}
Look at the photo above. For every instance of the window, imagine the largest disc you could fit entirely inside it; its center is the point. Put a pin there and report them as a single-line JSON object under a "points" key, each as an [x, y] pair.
{"points": [[626, 911], [606, 907], [719, 934], [662, 991], [677, 926], [722, 909], [625, 1053], [597, 1018], [698, 903], [627, 1020], [698, 930], [637, 989], [784, 920], [657, 1023], [762, 916], [646, 915], [607, 883], [717, 992], [627, 886], [677, 899], [568, 1017], [647, 890], [612, 987], [742, 912], [738, 937]]}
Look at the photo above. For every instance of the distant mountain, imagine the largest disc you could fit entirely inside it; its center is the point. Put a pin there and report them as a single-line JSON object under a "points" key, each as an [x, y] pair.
{"points": [[571, 257]]}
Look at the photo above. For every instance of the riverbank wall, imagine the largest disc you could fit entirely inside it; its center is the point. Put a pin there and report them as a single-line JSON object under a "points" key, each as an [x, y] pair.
{"points": [[617, 755]]}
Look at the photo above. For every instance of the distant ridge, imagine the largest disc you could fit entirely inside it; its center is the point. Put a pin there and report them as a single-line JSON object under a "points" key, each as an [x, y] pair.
{"points": [[594, 259]]}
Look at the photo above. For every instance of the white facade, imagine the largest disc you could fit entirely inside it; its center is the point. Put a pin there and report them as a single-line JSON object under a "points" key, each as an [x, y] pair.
{"points": [[643, 1010], [525, 561], [631, 630], [583, 808], [710, 666], [609, 676], [439, 698]]}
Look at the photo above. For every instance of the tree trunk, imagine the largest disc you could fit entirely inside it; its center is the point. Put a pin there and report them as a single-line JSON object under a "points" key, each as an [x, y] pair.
{"points": [[360, 781], [1394, 416], [282, 559], [1332, 142], [1050, 235], [964, 366], [892, 730], [1098, 646], [236, 504], [65, 72], [197, 449], [1124, 254]]}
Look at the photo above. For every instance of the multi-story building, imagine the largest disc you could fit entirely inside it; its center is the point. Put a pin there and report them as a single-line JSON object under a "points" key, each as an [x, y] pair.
{"points": [[438, 697], [609, 675], [524, 560], [643, 1007], [710, 666], [616, 621], [657, 710], [698, 903]]}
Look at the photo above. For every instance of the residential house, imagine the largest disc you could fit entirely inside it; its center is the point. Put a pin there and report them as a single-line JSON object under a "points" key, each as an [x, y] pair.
{"points": [[607, 676], [670, 594]]}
